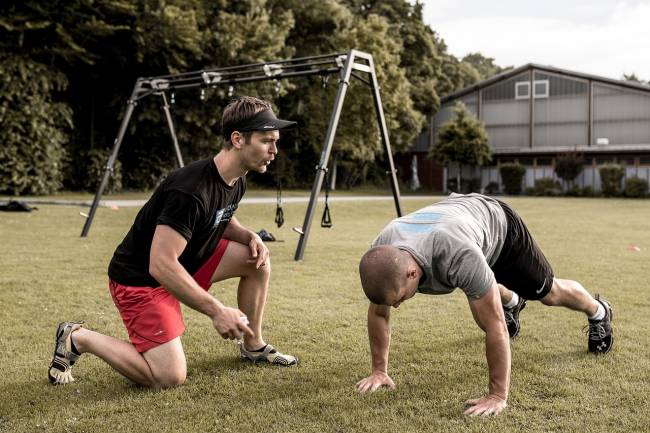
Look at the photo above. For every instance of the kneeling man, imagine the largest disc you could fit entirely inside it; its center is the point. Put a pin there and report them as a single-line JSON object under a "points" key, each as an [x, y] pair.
{"points": [[185, 238]]}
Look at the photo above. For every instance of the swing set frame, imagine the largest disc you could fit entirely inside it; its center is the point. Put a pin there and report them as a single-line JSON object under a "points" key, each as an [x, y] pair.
{"points": [[353, 64]]}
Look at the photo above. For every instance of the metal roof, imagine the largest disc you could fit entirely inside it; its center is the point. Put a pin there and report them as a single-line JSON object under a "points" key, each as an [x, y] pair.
{"points": [[551, 69]]}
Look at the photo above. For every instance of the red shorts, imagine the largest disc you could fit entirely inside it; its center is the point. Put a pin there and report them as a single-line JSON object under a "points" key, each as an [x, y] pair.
{"points": [[152, 315]]}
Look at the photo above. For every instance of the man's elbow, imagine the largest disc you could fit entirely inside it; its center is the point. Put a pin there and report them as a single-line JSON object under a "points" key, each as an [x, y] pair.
{"points": [[157, 268]]}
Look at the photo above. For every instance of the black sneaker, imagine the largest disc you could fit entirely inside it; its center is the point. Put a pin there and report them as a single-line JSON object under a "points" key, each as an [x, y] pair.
{"points": [[601, 338], [512, 317]]}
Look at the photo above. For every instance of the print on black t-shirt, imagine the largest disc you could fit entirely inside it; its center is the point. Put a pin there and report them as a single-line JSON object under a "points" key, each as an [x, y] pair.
{"points": [[197, 203], [225, 214]]}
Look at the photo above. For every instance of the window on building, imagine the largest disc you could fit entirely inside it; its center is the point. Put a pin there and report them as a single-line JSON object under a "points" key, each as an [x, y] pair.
{"points": [[506, 160], [544, 161], [644, 160], [522, 90], [541, 88]]}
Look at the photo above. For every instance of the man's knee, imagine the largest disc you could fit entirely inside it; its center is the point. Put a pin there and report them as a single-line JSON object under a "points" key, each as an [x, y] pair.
{"points": [[167, 364], [559, 291], [266, 269], [170, 378]]}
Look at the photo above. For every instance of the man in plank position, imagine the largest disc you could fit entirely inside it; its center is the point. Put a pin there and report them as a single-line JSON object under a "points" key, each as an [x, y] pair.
{"points": [[482, 246]]}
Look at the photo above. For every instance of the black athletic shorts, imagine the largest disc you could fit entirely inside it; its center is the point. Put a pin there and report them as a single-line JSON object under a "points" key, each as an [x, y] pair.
{"points": [[521, 265]]}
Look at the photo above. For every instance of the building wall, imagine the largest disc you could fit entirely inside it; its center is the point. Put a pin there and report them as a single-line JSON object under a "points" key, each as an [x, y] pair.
{"points": [[620, 116], [618, 130]]}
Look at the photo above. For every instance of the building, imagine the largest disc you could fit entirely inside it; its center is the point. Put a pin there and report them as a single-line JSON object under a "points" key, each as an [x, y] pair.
{"points": [[605, 120]]}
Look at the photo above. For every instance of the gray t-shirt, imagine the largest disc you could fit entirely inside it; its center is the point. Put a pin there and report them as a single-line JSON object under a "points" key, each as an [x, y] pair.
{"points": [[455, 241]]}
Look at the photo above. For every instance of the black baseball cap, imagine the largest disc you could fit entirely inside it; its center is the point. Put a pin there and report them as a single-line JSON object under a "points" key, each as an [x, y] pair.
{"points": [[262, 121]]}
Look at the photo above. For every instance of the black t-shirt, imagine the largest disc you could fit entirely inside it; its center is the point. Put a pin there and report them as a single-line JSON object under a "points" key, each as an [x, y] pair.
{"points": [[197, 203]]}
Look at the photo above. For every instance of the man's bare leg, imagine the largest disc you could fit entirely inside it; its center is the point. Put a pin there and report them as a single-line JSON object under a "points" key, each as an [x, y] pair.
{"points": [[252, 289], [161, 367], [505, 293], [570, 294]]}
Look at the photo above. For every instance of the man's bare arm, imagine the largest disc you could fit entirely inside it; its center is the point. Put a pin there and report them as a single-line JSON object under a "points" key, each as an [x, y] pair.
{"points": [[166, 247], [379, 337], [237, 232], [488, 314]]}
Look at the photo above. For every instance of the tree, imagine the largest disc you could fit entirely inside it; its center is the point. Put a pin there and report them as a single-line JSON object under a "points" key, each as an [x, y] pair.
{"points": [[632, 78], [462, 141], [568, 166], [485, 66], [34, 127], [102, 46]]}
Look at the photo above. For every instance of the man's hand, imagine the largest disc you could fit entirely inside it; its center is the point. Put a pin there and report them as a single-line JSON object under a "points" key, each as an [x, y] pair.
{"points": [[485, 406], [229, 324], [375, 381], [259, 251]]}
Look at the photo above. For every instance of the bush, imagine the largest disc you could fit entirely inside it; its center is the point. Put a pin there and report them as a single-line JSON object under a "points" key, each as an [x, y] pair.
{"points": [[568, 166], [635, 187], [587, 191], [492, 188], [512, 175], [144, 170], [611, 176], [467, 185], [87, 171], [574, 191], [33, 128], [547, 186]]}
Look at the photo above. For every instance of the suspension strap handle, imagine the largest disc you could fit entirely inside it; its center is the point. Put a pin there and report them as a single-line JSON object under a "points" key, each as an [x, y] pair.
{"points": [[279, 213], [326, 220]]}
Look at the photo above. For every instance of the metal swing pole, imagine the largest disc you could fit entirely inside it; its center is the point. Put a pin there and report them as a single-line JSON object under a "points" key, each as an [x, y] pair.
{"points": [[172, 131], [384, 137], [108, 168], [327, 147]]}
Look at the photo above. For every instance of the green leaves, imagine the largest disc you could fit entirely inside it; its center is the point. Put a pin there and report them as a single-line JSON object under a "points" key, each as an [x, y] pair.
{"points": [[100, 47], [33, 129], [462, 140]]}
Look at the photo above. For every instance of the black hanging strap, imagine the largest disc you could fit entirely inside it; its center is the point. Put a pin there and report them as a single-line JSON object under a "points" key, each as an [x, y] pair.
{"points": [[326, 220], [279, 213]]}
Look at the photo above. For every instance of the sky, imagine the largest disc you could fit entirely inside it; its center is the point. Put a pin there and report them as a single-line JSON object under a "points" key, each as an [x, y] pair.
{"points": [[600, 37]]}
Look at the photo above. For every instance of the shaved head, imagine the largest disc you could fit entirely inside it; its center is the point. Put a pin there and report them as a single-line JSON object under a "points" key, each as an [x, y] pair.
{"points": [[382, 270]]}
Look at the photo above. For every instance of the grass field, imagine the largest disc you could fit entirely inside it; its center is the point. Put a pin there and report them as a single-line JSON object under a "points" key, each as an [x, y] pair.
{"points": [[317, 311]]}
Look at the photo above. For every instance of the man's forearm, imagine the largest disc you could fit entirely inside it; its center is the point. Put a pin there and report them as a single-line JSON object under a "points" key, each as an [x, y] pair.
{"points": [[497, 352], [379, 336], [237, 232], [173, 277]]}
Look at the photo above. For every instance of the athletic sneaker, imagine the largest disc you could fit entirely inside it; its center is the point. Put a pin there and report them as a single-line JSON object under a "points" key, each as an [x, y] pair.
{"points": [[63, 359], [512, 317], [600, 333], [267, 354]]}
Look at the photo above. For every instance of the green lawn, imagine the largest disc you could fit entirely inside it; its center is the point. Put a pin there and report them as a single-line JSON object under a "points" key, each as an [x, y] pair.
{"points": [[317, 310]]}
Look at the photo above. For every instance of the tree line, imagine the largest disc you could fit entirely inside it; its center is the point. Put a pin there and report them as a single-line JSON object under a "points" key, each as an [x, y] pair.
{"points": [[67, 68]]}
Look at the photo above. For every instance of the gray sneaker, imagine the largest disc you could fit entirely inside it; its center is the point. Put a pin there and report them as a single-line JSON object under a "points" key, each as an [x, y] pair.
{"points": [[601, 337], [63, 359], [268, 355], [512, 317]]}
